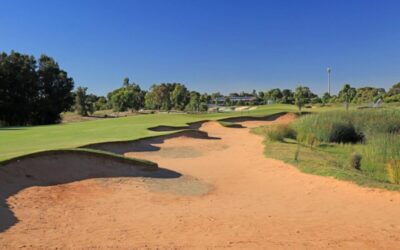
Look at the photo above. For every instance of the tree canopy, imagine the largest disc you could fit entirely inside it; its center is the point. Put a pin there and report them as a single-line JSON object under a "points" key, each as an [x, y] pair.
{"points": [[347, 94], [302, 96], [32, 93], [129, 96]]}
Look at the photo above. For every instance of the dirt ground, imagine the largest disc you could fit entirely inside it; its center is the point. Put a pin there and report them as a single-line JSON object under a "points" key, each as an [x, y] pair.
{"points": [[229, 196]]}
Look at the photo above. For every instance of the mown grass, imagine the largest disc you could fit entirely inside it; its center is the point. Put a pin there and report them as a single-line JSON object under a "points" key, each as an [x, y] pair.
{"points": [[16, 141], [314, 152]]}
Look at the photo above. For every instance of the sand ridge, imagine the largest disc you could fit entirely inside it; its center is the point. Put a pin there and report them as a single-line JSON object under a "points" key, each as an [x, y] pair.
{"points": [[242, 201]]}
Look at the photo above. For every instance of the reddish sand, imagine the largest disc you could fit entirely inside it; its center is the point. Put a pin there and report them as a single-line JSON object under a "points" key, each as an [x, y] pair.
{"points": [[230, 196]]}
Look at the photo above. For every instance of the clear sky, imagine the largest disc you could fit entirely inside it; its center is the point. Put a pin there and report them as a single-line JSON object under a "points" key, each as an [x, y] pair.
{"points": [[211, 45]]}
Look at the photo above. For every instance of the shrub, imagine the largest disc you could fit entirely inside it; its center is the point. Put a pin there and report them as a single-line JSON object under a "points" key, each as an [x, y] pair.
{"points": [[393, 128], [393, 171], [355, 161], [344, 133]]}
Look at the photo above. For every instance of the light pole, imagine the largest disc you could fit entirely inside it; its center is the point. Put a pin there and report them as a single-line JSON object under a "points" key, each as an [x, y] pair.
{"points": [[329, 80]]}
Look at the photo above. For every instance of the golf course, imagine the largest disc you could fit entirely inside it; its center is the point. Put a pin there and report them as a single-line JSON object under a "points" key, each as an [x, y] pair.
{"points": [[145, 180], [141, 125]]}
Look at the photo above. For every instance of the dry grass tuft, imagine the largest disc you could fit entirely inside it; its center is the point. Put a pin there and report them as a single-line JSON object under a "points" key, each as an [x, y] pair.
{"points": [[393, 171]]}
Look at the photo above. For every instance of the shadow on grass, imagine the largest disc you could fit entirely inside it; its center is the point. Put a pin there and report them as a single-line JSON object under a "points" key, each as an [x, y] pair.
{"points": [[10, 128], [61, 168], [326, 146]]}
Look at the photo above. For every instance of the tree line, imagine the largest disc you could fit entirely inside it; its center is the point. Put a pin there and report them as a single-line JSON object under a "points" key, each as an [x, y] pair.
{"points": [[36, 91], [130, 97], [175, 96]]}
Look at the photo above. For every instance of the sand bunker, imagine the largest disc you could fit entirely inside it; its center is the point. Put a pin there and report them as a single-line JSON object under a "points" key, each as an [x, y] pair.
{"points": [[60, 167], [233, 197]]}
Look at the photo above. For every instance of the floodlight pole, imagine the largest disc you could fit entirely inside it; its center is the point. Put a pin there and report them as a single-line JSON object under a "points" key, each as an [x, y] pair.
{"points": [[329, 70]]}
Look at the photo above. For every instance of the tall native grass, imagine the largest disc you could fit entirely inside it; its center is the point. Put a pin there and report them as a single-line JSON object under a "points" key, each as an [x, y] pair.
{"points": [[381, 157], [276, 132], [375, 134], [365, 123]]}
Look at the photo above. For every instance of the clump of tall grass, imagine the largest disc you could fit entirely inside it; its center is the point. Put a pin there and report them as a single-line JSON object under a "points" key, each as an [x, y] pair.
{"points": [[279, 132], [377, 131], [332, 127], [312, 140], [380, 153], [393, 170], [350, 126]]}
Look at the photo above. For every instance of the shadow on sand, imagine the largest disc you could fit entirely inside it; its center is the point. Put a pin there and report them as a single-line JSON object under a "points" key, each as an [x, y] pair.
{"points": [[60, 168]]}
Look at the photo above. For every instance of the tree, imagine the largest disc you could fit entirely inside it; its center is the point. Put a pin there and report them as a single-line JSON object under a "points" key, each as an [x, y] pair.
{"points": [[101, 103], [326, 98], [346, 95], [126, 82], [215, 96], [393, 95], [368, 94], [32, 93], [205, 98], [179, 97], [18, 88], [158, 97], [274, 95], [149, 100], [194, 103], [228, 102], [260, 97], [287, 96], [394, 90], [301, 96], [129, 96], [54, 92], [83, 104], [315, 100]]}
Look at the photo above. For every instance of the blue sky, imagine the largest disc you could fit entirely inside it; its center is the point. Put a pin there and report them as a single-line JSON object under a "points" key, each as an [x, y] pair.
{"points": [[211, 46]]}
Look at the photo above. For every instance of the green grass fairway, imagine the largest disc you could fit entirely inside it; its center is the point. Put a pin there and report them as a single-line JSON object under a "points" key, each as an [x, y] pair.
{"points": [[17, 141]]}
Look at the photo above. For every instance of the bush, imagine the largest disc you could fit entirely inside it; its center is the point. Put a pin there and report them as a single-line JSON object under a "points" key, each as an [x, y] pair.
{"points": [[344, 133], [355, 161]]}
